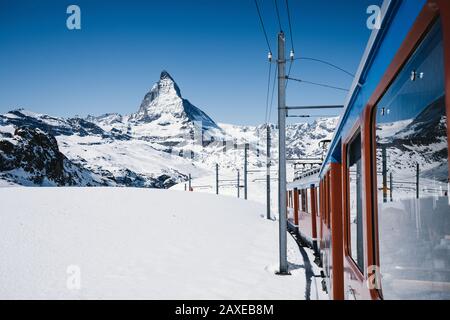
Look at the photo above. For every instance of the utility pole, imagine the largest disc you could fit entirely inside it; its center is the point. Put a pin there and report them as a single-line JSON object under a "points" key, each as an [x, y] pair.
{"points": [[245, 169], [217, 178], [268, 171], [238, 185], [282, 153], [391, 186], [190, 184]]}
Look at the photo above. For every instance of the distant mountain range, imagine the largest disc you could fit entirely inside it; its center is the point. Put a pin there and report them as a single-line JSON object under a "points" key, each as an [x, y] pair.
{"points": [[167, 139]]}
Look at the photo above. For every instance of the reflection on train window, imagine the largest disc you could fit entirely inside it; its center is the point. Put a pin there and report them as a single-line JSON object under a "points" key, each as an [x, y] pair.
{"points": [[412, 178], [355, 203]]}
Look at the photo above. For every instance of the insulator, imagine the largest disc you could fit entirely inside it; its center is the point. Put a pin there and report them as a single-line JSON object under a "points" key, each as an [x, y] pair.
{"points": [[291, 55], [269, 56]]}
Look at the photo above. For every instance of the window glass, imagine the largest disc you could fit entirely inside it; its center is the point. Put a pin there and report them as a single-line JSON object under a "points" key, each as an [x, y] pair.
{"points": [[300, 199], [412, 178], [327, 212], [325, 207], [308, 202], [290, 210], [303, 200], [355, 202]]}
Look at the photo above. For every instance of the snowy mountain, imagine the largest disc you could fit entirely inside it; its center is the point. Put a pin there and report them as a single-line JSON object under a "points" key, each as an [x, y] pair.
{"points": [[303, 138], [29, 156], [167, 139]]}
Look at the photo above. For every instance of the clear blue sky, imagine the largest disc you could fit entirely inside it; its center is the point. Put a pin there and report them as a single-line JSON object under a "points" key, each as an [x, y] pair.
{"points": [[214, 49]]}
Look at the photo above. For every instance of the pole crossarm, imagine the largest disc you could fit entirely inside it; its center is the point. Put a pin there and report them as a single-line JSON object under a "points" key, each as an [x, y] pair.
{"points": [[312, 116]]}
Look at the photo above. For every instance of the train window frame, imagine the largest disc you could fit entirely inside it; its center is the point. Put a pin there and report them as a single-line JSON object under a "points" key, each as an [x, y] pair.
{"points": [[329, 199], [318, 209], [308, 201], [360, 261], [373, 133], [322, 202]]}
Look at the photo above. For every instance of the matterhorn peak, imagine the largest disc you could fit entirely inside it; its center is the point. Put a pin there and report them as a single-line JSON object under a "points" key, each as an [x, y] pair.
{"points": [[165, 75], [166, 81], [166, 85]]}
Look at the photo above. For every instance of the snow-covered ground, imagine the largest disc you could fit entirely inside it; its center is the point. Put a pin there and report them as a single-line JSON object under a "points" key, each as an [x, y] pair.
{"points": [[257, 186], [101, 243]]}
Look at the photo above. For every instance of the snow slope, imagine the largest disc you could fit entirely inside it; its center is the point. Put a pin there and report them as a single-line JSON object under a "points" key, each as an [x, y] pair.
{"points": [[141, 244]]}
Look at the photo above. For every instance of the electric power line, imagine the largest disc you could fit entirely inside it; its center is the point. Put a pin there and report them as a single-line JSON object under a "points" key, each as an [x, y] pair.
{"points": [[292, 43], [319, 84], [327, 63], [262, 26], [273, 92], [289, 73], [278, 14], [290, 25]]}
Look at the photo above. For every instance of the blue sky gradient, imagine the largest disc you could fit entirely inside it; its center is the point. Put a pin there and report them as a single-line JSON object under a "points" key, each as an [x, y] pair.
{"points": [[214, 49]]}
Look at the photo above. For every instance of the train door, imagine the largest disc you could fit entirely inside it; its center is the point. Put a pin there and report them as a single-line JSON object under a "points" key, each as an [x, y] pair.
{"points": [[354, 222], [412, 177]]}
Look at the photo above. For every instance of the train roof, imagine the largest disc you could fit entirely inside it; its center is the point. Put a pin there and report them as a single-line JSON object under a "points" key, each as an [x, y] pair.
{"points": [[305, 180], [398, 16]]}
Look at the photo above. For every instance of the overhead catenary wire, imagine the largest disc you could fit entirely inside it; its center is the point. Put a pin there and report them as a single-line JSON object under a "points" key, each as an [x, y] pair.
{"points": [[291, 55], [262, 26], [270, 58], [278, 14], [324, 62], [319, 84], [273, 92], [290, 25], [327, 63], [288, 74]]}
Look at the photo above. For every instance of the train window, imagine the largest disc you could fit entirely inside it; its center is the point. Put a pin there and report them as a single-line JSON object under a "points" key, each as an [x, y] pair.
{"points": [[318, 201], [328, 200], [325, 203], [355, 203], [308, 200], [305, 203], [322, 200], [412, 178], [300, 199]]}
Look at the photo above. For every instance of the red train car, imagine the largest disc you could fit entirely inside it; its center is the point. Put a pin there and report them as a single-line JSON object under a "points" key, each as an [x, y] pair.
{"points": [[383, 224], [303, 210]]}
